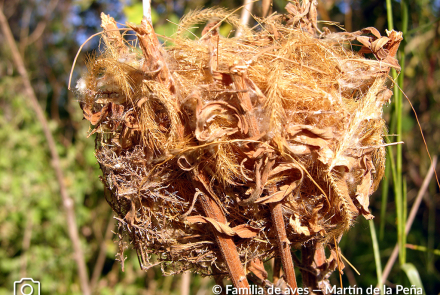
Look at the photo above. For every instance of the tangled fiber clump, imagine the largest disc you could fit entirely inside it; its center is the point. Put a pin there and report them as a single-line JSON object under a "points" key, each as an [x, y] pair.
{"points": [[198, 141]]}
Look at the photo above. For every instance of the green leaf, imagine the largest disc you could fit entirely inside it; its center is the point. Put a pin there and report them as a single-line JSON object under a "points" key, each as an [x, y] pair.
{"points": [[413, 275], [168, 28], [376, 254], [134, 13], [225, 29]]}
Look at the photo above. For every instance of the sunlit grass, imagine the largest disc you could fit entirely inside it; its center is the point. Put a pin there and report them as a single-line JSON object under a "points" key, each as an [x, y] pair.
{"points": [[394, 163]]}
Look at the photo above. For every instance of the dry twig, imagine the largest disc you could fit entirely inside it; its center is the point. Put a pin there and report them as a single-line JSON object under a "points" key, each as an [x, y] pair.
{"points": [[99, 264]]}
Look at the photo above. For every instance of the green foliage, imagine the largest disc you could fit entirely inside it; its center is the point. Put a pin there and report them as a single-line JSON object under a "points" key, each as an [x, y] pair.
{"points": [[33, 231], [413, 275], [29, 207], [134, 13], [376, 252], [170, 27]]}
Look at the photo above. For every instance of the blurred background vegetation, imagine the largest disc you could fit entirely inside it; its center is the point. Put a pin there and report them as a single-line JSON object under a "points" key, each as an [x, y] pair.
{"points": [[34, 237]]}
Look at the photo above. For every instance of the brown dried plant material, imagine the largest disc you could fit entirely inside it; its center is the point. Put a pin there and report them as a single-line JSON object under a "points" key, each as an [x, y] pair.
{"points": [[384, 48], [220, 153], [316, 268]]}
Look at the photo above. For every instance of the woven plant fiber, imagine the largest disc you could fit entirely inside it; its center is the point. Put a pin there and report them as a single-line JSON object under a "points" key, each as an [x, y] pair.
{"points": [[284, 114]]}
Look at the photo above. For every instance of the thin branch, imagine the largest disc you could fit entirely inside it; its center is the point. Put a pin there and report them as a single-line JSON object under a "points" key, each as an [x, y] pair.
{"points": [[266, 7], [67, 201], [348, 23], [246, 12], [283, 244], [226, 244], [28, 39], [146, 5], [102, 252], [411, 218], [245, 15], [186, 282], [276, 269], [24, 28]]}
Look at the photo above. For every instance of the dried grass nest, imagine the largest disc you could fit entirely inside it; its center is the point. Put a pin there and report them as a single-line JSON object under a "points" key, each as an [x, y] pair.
{"points": [[196, 140]]}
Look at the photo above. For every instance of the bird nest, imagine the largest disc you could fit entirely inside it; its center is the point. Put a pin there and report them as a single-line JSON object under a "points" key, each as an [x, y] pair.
{"points": [[201, 141]]}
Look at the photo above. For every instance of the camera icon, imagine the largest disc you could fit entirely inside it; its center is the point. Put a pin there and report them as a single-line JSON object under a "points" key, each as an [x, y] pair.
{"points": [[26, 286]]}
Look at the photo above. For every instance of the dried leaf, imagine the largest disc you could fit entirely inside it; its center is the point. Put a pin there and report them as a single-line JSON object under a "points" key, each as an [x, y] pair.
{"points": [[209, 113], [395, 39], [326, 155], [130, 217], [325, 133], [384, 96], [244, 231], [131, 121], [184, 164], [363, 197], [371, 30], [378, 44], [263, 166], [127, 137], [345, 163], [112, 36], [257, 267], [262, 149], [238, 73], [293, 10], [297, 227], [278, 196], [297, 149], [384, 48], [363, 190], [98, 117], [316, 221], [310, 135]]}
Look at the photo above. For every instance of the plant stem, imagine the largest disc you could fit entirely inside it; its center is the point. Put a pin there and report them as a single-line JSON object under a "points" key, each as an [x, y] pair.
{"points": [[390, 15], [226, 244], [384, 200], [423, 249], [245, 15], [186, 283], [411, 217], [276, 269], [376, 255], [266, 7], [398, 184], [146, 5], [283, 244], [99, 264]]}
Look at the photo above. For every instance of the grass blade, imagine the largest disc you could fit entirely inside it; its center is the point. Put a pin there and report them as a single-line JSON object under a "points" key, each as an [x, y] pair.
{"points": [[376, 255], [423, 249], [413, 275], [384, 199]]}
